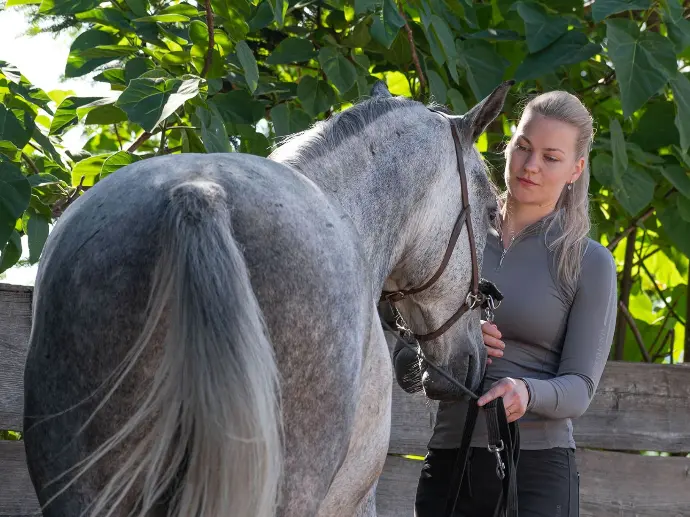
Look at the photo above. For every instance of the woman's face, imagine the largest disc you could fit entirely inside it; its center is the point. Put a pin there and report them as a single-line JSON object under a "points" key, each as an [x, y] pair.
{"points": [[542, 160]]}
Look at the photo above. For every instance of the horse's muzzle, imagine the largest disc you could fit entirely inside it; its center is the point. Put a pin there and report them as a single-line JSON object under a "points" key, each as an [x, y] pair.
{"points": [[437, 387]]}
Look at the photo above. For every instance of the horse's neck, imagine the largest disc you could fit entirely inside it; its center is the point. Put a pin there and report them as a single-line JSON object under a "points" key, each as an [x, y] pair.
{"points": [[384, 181]]}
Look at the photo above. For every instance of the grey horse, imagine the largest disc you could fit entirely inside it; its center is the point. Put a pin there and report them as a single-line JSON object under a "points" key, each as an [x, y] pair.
{"points": [[205, 337]]}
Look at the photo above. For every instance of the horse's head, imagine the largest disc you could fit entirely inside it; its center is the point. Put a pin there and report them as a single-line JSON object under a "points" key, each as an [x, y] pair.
{"points": [[435, 282]]}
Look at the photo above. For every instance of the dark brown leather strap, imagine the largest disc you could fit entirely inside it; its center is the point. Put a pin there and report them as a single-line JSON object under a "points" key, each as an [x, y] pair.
{"points": [[466, 206], [473, 298]]}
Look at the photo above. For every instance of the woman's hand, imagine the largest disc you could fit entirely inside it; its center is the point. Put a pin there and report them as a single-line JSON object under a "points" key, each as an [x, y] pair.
{"points": [[492, 340], [514, 393]]}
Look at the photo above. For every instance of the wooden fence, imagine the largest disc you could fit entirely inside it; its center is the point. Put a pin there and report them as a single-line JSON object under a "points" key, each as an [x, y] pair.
{"points": [[638, 407]]}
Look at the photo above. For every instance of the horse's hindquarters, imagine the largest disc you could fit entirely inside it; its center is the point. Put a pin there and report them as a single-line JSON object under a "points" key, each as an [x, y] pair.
{"points": [[91, 300]]}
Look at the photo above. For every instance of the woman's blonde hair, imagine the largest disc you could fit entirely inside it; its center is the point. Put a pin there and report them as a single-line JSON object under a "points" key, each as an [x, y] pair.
{"points": [[571, 221]]}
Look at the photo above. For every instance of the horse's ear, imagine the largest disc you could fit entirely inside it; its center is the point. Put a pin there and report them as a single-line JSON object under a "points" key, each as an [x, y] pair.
{"points": [[380, 90], [480, 116]]}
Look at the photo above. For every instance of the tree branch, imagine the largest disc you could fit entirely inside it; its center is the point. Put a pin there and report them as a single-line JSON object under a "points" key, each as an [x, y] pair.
{"points": [[211, 40], [142, 138], [624, 299], [686, 348], [601, 82], [634, 223], [635, 330], [413, 50], [30, 163], [641, 263], [117, 134]]}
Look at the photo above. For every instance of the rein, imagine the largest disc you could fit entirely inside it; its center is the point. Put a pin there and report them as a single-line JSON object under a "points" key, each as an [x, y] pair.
{"points": [[503, 439]]}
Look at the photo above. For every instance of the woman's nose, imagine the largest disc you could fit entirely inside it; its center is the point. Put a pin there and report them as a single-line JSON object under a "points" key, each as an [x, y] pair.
{"points": [[531, 164]]}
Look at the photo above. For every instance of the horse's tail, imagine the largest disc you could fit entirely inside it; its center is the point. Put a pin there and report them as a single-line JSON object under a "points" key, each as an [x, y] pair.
{"points": [[214, 442]]}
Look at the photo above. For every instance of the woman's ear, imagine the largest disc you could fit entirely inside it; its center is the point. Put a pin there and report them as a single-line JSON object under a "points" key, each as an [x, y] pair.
{"points": [[579, 167]]}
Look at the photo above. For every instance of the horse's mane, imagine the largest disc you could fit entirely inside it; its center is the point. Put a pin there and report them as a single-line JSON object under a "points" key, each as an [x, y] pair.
{"points": [[328, 134]]}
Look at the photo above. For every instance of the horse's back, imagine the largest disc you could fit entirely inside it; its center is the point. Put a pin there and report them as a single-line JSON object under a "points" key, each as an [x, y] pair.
{"points": [[306, 269]]}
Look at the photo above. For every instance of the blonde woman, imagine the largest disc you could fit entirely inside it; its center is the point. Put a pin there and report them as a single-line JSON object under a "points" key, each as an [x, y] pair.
{"points": [[551, 334]]}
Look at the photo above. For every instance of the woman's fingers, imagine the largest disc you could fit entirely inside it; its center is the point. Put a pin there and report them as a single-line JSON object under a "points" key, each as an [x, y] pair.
{"points": [[491, 330], [493, 342]]}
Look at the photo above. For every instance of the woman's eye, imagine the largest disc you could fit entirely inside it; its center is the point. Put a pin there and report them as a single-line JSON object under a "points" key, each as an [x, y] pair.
{"points": [[520, 147], [551, 159]]}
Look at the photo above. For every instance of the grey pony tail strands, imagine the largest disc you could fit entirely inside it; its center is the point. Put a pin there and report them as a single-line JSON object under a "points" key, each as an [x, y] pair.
{"points": [[214, 402]]}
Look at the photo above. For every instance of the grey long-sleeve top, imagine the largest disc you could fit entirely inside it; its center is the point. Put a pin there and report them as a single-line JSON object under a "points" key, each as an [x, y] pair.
{"points": [[558, 341]]}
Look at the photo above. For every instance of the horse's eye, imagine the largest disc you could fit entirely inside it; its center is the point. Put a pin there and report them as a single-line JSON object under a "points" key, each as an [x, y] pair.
{"points": [[493, 214]]}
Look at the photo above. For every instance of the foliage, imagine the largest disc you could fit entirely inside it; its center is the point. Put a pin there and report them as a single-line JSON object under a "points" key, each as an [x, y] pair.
{"points": [[232, 75]]}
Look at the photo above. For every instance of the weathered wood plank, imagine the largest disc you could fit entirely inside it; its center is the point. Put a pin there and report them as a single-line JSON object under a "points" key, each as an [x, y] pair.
{"points": [[15, 326], [637, 406], [17, 495], [612, 484]]}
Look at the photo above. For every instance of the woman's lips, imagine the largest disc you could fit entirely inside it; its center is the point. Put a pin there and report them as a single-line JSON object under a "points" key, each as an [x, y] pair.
{"points": [[526, 182]]}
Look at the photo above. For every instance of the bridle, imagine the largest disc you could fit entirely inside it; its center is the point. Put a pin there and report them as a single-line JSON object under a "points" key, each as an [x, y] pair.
{"points": [[504, 441], [474, 298]]}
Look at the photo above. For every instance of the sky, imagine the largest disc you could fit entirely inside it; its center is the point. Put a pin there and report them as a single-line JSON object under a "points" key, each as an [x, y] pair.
{"points": [[41, 59]]}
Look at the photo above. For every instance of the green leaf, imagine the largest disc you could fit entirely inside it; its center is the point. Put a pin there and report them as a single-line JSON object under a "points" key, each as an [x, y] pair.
{"points": [[365, 6], [683, 207], [263, 17], [678, 177], [484, 66], [138, 7], [233, 20], [437, 87], [675, 227], [288, 119], [644, 61], [291, 50], [618, 149], [164, 18], [491, 34], [14, 130], [107, 16], [15, 194], [633, 187], [251, 141], [12, 3], [571, 48], [117, 161], [148, 101], [213, 132], [341, 72], [182, 8], [248, 62], [136, 67], [66, 114], [445, 37], [47, 147], [458, 101], [315, 95], [541, 28], [66, 7], [105, 115], [602, 169], [37, 232], [603, 8], [279, 10], [238, 107], [385, 28], [681, 97], [12, 252], [656, 127], [89, 169], [676, 24], [79, 65]]}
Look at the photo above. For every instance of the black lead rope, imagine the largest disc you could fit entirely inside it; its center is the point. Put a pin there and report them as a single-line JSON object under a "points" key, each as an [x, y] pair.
{"points": [[503, 440]]}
